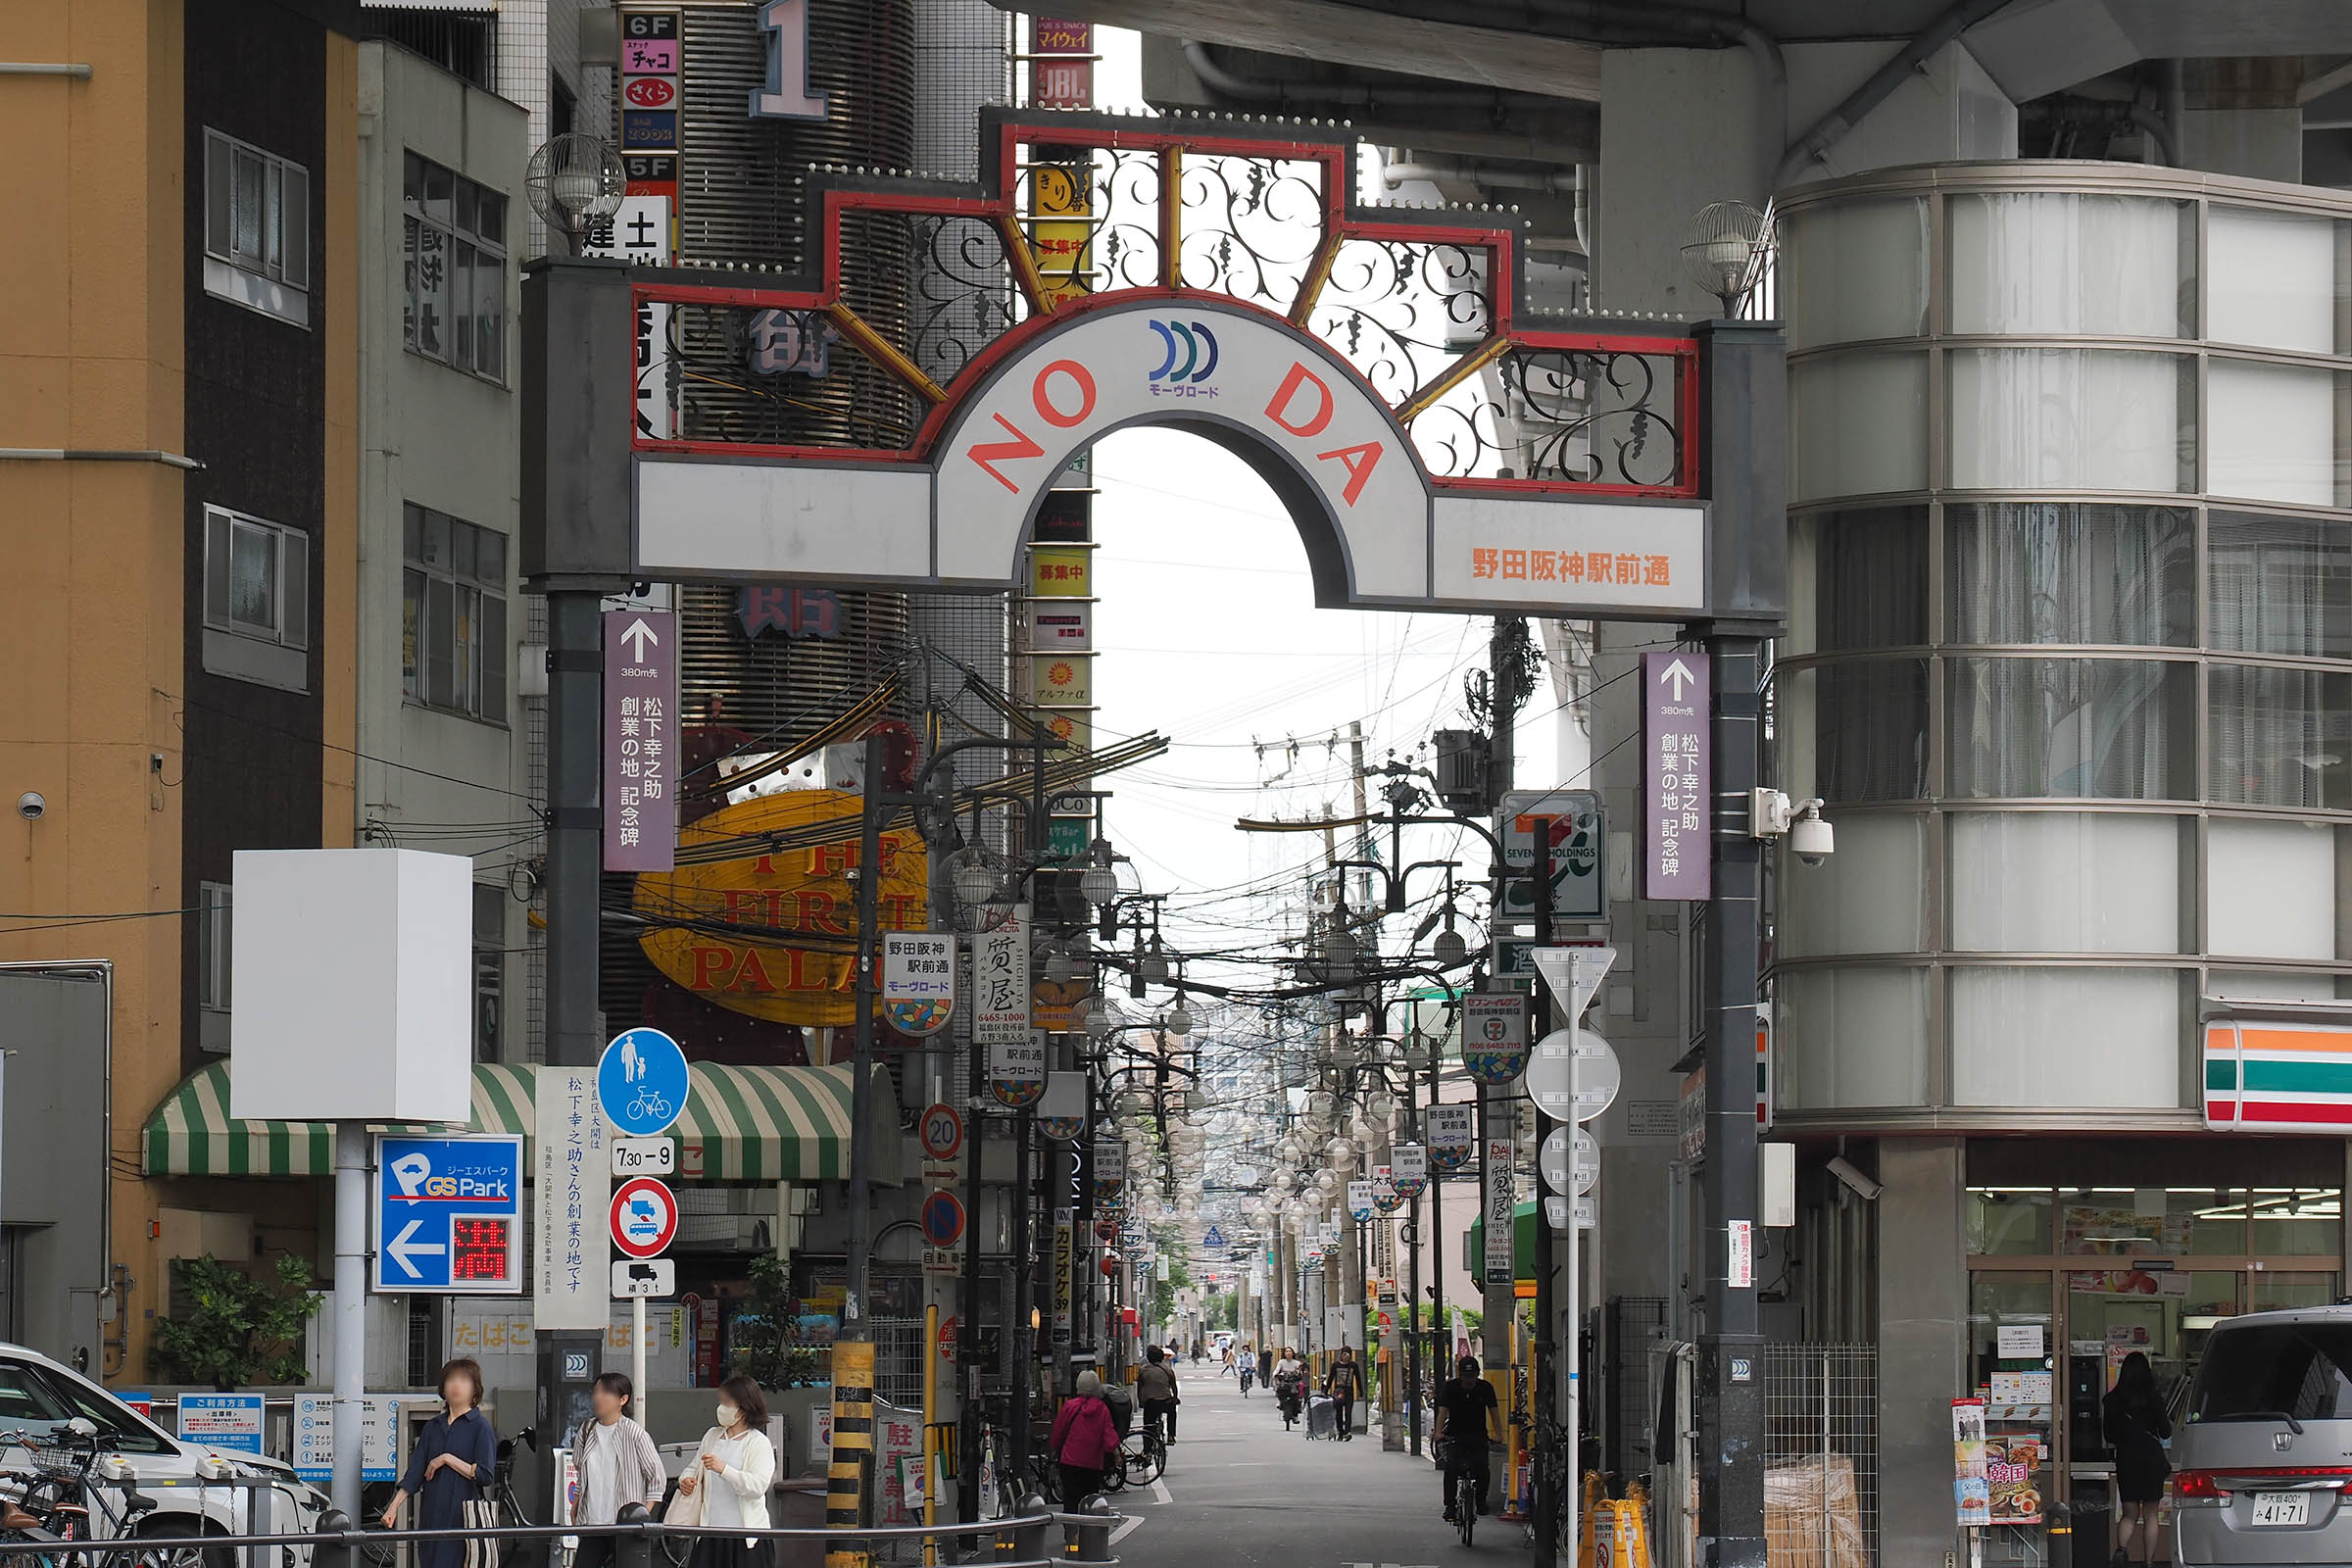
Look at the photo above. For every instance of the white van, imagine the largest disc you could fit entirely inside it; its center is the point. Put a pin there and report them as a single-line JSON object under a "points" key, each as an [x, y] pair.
{"points": [[38, 1397]]}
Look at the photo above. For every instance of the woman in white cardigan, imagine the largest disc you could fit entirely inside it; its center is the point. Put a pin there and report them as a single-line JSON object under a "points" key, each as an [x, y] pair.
{"points": [[727, 1482]]}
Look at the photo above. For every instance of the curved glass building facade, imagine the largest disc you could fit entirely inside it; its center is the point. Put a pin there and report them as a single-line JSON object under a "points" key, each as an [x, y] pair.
{"points": [[2071, 642]]}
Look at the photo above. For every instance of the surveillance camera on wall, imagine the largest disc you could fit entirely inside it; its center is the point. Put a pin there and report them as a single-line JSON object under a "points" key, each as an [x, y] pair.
{"points": [[1811, 839], [30, 805], [1851, 1174]]}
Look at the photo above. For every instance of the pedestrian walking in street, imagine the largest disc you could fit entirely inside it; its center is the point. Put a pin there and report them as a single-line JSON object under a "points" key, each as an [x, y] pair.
{"points": [[1085, 1442], [1290, 1386], [730, 1476], [1344, 1382], [618, 1466], [1265, 1365], [1227, 1369], [2137, 1427], [455, 1460], [1156, 1388], [1468, 1418]]}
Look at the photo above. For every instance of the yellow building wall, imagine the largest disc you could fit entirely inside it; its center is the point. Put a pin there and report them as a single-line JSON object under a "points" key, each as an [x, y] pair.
{"points": [[90, 357]]}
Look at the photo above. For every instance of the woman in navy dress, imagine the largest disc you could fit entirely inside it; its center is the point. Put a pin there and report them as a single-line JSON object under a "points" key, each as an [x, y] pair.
{"points": [[456, 1457]]}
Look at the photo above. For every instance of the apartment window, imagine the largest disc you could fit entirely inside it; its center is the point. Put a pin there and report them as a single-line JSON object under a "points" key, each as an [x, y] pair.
{"points": [[213, 932], [453, 616], [256, 229], [257, 600], [455, 266], [489, 969]]}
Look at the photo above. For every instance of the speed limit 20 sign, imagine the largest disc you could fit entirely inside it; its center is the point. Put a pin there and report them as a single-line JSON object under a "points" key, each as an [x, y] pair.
{"points": [[942, 1131]]}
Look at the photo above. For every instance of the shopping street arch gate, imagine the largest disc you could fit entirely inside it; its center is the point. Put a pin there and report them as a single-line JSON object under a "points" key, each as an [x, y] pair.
{"points": [[894, 416]]}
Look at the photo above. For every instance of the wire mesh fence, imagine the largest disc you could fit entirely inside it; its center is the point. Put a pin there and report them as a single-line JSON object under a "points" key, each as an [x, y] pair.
{"points": [[1634, 1326], [1821, 1455], [899, 1361]]}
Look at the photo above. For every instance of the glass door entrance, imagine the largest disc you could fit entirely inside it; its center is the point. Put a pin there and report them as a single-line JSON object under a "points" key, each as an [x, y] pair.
{"points": [[2065, 1282]]}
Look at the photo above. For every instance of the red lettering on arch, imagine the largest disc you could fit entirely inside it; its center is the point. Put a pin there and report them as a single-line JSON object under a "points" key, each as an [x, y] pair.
{"points": [[1045, 410], [988, 454], [1360, 461], [1279, 409]]}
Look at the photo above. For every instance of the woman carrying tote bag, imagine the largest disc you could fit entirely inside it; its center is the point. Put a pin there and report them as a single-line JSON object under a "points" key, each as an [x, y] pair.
{"points": [[450, 1471], [726, 1485]]}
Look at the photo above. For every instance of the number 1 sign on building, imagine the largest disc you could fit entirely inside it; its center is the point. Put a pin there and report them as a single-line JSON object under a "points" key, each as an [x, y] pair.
{"points": [[1677, 773]]}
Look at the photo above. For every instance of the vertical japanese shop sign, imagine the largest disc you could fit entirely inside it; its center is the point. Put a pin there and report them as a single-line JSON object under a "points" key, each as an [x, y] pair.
{"points": [[919, 980], [999, 1011], [1062, 66], [572, 1286], [1676, 776], [640, 740], [1502, 1193]]}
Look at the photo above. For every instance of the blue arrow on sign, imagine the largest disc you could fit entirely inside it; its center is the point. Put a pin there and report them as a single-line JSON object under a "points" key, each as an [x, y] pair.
{"points": [[641, 1082]]}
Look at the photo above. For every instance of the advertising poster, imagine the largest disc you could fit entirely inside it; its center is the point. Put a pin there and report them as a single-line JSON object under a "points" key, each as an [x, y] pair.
{"points": [[2011, 1464], [1972, 1495]]}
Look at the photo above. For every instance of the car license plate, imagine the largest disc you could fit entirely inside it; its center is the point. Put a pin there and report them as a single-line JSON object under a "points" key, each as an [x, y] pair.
{"points": [[2281, 1508]]}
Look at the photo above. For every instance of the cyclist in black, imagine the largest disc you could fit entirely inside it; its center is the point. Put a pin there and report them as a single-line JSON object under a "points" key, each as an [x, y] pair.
{"points": [[1468, 1416]]}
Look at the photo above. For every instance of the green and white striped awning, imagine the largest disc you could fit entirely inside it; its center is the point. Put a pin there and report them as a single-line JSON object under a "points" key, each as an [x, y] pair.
{"points": [[741, 1124]]}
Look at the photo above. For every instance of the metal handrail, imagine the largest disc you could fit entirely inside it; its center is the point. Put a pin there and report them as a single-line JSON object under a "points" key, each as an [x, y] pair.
{"points": [[337, 1533]]}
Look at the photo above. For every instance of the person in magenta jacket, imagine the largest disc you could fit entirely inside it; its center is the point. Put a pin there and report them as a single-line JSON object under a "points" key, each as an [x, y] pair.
{"points": [[1085, 1442]]}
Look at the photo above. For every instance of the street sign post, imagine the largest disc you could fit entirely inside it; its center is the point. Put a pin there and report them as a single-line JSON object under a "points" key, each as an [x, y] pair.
{"points": [[642, 1083], [919, 980], [639, 1279], [449, 1214], [640, 740], [1677, 770], [645, 1217], [644, 1156]]}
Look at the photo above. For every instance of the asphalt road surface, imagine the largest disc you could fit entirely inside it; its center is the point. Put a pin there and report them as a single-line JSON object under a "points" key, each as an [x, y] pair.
{"points": [[1240, 1491]]}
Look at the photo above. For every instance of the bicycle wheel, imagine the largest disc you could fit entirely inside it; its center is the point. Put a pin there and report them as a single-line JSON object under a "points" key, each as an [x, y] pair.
{"points": [[1141, 1463], [1465, 1507]]}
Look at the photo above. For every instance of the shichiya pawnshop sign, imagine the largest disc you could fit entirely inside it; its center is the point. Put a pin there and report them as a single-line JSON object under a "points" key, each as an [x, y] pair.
{"points": [[772, 932]]}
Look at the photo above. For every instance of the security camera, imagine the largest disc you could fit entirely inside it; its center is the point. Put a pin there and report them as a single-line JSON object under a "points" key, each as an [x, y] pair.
{"points": [[1850, 1174], [30, 805], [1811, 839]]}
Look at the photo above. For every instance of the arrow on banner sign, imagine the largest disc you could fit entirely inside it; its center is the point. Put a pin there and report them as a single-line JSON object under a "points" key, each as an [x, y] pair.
{"points": [[638, 634], [1676, 674]]}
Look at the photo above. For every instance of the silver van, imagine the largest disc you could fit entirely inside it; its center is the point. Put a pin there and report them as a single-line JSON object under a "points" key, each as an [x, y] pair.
{"points": [[2264, 1456]]}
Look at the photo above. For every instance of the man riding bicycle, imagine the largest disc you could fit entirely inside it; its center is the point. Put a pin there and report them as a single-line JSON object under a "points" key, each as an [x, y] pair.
{"points": [[1467, 1420]]}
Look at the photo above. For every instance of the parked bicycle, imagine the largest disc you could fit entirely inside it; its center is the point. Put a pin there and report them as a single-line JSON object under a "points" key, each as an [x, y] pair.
{"points": [[89, 1504]]}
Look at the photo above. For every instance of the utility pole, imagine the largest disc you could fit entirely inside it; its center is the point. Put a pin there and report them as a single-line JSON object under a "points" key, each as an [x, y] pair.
{"points": [[1501, 1302], [567, 1357], [1543, 1392]]}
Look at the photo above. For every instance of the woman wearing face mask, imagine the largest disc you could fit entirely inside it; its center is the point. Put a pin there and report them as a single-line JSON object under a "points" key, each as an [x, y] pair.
{"points": [[730, 1477]]}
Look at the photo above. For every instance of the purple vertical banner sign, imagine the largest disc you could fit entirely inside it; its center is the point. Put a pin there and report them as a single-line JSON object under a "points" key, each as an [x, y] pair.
{"points": [[1677, 777], [640, 740]]}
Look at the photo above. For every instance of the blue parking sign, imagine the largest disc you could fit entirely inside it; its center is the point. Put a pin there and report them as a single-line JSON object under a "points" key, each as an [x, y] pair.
{"points": [[449, 1214], [641, 1082]]}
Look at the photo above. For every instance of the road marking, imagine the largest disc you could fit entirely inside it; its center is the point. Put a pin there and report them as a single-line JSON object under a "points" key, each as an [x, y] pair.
{"points": [[1126, 1528], [1159, 1492]]}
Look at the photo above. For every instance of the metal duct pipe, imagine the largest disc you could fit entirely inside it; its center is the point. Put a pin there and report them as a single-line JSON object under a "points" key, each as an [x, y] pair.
{"points": [[1552, 182], [1279, 89], [1807, 149], [1645, 20]]}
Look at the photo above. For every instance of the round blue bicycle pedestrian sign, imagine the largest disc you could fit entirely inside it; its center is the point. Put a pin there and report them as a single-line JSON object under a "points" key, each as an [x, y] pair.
{"points": [[642, 1083]]}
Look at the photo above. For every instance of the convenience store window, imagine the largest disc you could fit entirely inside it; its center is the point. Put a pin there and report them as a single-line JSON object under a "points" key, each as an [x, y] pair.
{"points": [[2065, 1281]]}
